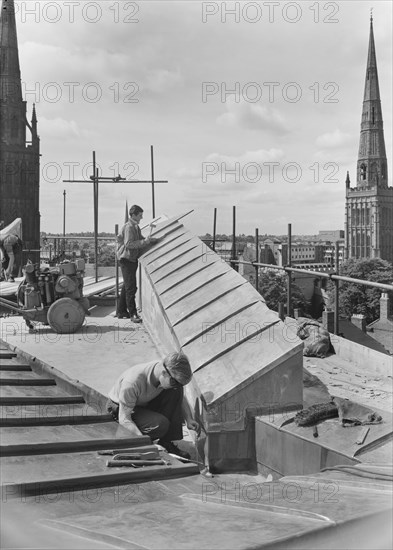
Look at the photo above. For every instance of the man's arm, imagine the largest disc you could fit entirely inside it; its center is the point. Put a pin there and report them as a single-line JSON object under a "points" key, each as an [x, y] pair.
{"points": [[187, 415], [131, 240], [125, 419]]}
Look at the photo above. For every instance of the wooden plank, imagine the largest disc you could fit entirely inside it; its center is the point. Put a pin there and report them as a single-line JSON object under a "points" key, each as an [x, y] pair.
{"points": [[41, 399], [65, 438], [19, 374], [7, 354], [14, 367], [94, 289], [31, 391], [42, 474], [37, 414], [87, 281], [27, 382]]}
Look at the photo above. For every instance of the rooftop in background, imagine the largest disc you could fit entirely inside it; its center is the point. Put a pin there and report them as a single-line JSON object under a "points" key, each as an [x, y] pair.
{"points": [[351, 332]]}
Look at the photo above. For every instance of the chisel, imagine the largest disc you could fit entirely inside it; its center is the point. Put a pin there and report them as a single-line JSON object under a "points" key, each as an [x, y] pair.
{"points": [[133, 463]]}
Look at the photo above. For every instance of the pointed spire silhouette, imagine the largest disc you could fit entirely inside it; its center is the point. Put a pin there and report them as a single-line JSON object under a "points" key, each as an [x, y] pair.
{"points": [[372, 162]]}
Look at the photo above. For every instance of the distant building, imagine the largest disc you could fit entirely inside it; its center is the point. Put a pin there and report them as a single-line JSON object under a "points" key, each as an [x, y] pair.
{"points": [[271, 252], [329, 252], [331, 235], [19, 157], [313, 254], [369, 205], [224, 249]]}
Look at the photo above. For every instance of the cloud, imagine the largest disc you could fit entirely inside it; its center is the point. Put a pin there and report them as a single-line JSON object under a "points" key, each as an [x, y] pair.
{"points": [[59, 128], [254, 117], [162, 80], [217, 168], [331, 140]]}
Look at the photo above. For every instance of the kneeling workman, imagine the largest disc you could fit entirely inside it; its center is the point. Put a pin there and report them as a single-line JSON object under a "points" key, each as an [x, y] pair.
{"points": [[147, 399]]}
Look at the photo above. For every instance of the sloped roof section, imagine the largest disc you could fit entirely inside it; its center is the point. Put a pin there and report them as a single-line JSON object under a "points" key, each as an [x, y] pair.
{"points": [[210, 311]]}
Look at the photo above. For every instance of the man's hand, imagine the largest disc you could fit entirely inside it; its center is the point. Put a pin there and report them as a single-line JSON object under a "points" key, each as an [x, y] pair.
{"points": [[133, 429], [194, 425]]}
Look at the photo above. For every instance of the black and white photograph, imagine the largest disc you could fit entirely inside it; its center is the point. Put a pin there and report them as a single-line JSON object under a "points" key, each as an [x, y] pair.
{"points": [[196, 279]]}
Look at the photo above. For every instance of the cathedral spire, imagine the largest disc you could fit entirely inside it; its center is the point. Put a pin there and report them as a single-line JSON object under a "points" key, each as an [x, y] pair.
{"points": [[19, 159], [369, 205], [11, 89], [372, 164], [34, 121]]}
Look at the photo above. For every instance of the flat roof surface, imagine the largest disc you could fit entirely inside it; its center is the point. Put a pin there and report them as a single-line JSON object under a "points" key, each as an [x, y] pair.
{"points": [[227, 511]]}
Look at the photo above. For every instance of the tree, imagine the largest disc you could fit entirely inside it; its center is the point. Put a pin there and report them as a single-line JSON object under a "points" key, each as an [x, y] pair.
{"points": [[273, 287], [106, 256], [360, 299]]}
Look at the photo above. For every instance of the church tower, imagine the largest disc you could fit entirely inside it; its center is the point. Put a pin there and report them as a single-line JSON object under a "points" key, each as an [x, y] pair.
{"points": [[369, 205], [19, 155]]}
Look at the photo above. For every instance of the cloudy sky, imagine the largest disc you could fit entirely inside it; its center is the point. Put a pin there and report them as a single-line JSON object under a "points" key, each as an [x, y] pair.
{"points": [[249, 104]]}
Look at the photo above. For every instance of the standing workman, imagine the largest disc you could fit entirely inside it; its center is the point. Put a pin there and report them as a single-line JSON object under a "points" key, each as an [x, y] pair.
{"points": [[131, 244], [11, 256], [148, 399]]}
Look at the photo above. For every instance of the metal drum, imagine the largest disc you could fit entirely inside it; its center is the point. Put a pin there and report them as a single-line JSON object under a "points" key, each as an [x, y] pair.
{"points": [[66, 316]]}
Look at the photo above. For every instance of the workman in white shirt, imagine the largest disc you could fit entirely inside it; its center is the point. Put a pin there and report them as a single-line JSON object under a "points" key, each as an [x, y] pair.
{"points": [[148, 400]]}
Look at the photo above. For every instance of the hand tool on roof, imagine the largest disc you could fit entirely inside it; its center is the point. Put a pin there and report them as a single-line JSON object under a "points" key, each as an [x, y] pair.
{"points": [[182, 459], [136, 463], [132, 450], [136, 456], [362, 436]]}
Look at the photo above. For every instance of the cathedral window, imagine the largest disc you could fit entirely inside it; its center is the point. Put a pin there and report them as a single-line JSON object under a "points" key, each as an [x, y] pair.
{"points": [[373, 173], [363, 171]]}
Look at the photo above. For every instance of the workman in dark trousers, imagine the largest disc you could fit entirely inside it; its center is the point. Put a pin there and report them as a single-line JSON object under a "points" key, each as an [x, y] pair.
{"points": [[148, 399], [11, 256], [131, 245]]}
